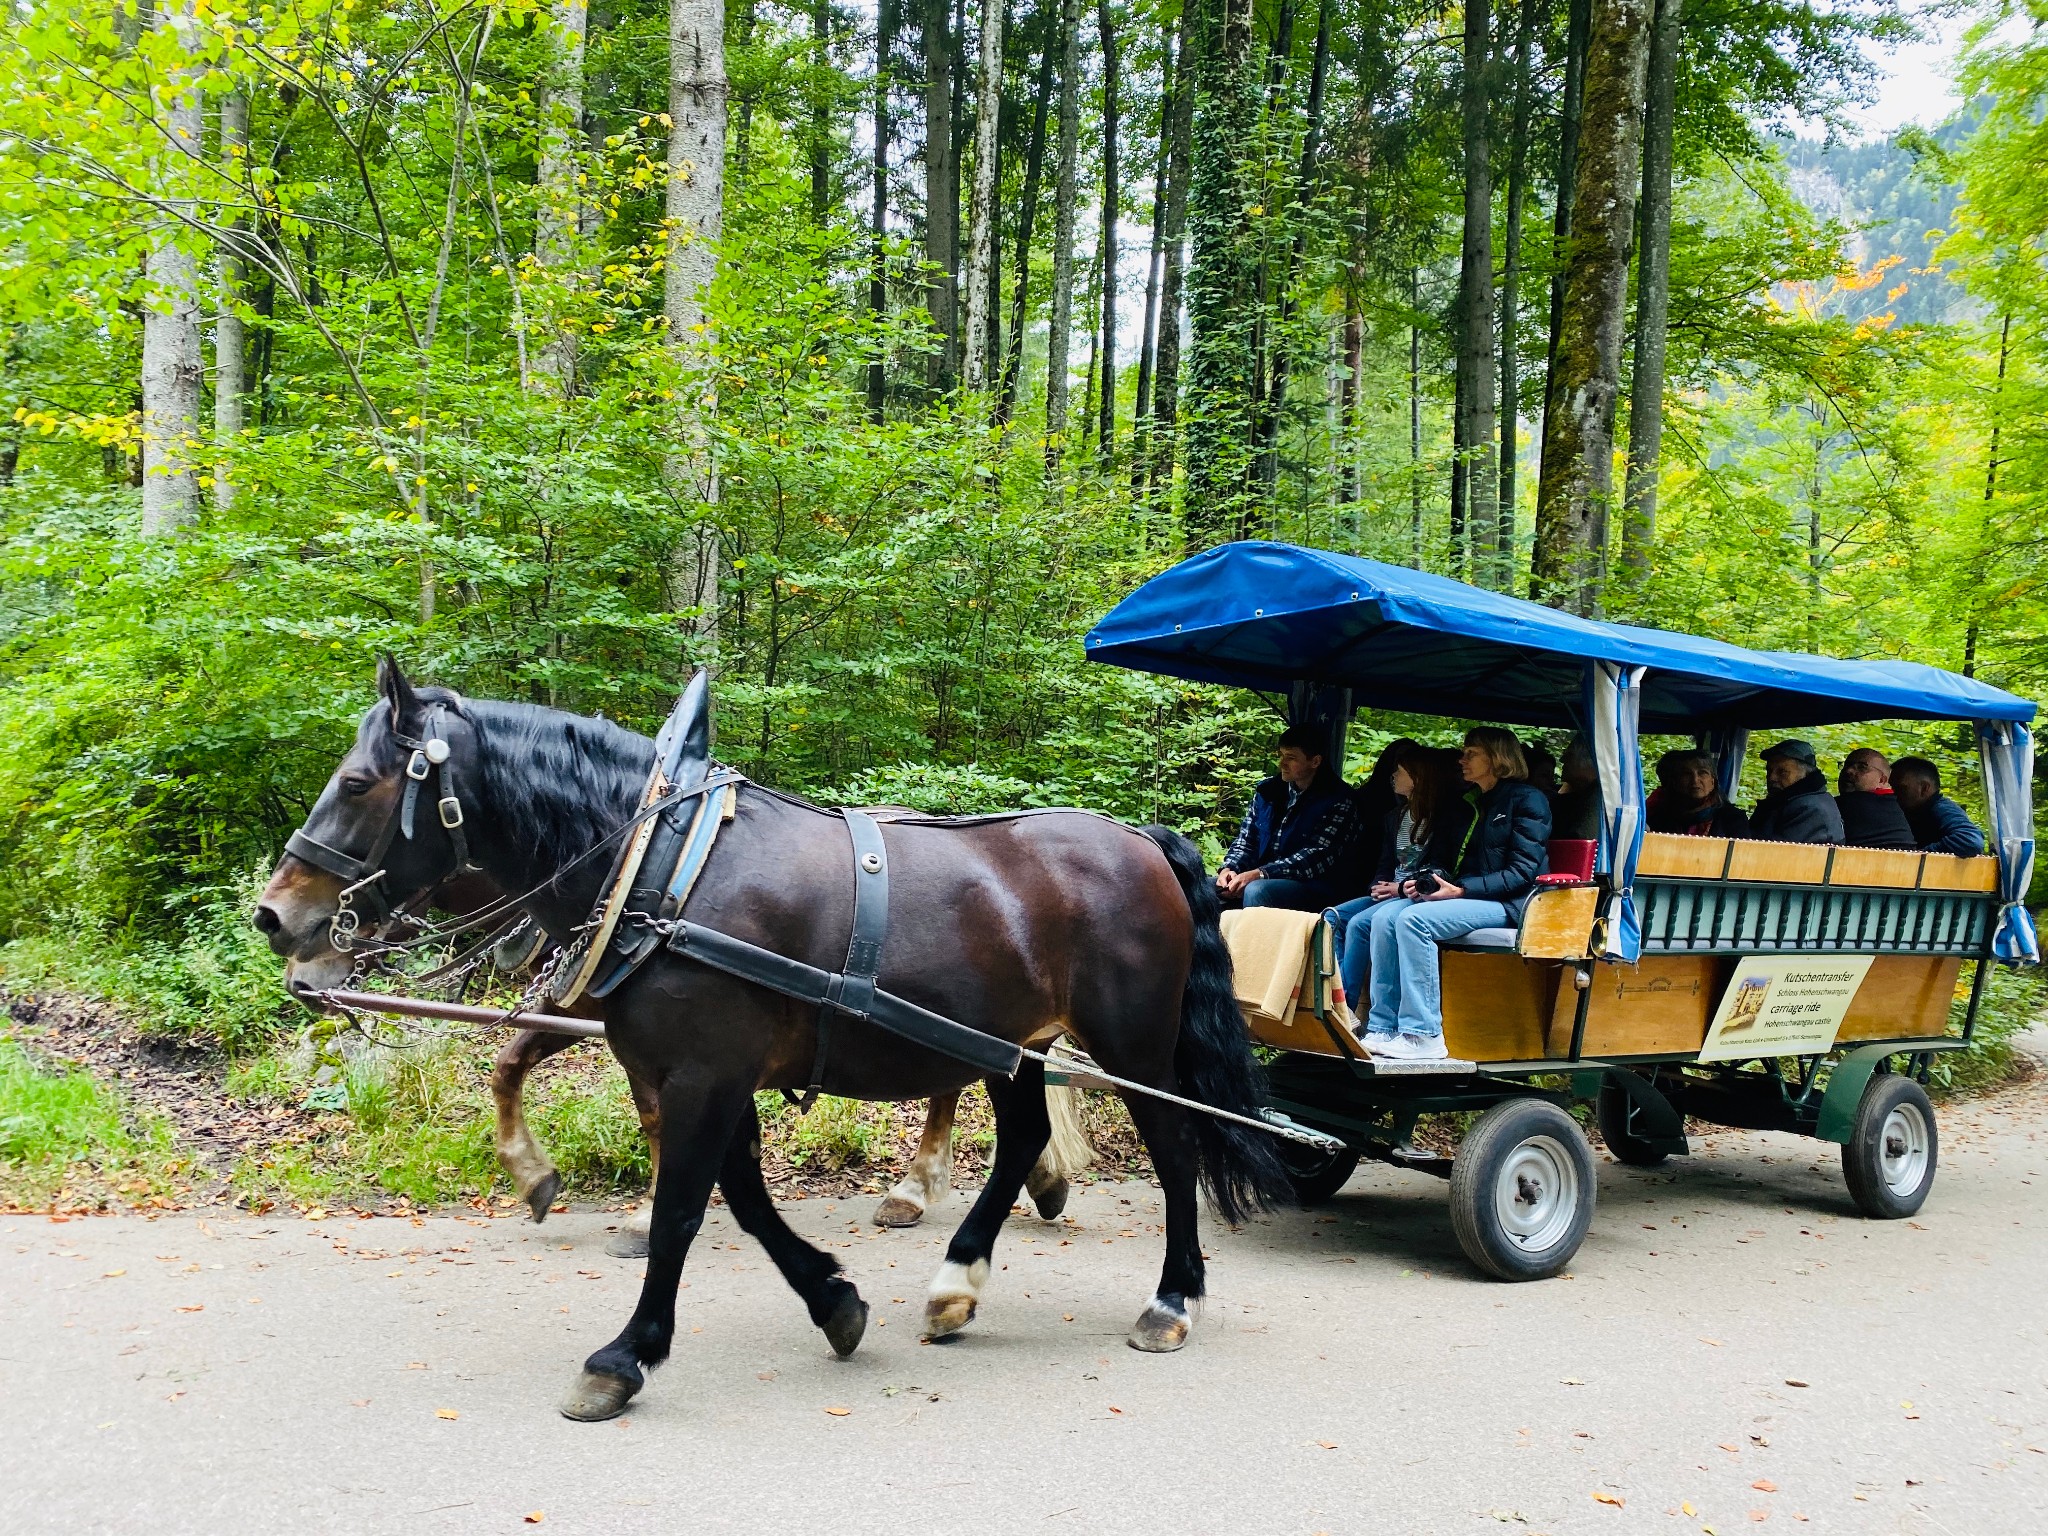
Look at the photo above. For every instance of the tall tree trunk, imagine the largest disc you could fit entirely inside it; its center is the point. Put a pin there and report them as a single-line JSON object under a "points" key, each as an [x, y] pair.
{"points": [[1574, 495], [1653, 293], [1415, 416], [1148, 337], [982, 213], [1578, 22], [1476, 415], [1058, 340], [1511, 296], [173, 366], [941, 191], [1274, 405], [558, 221], [1223, 278], [1347, 393], [230, 371], [1027, 221], [1979, 591], [1106, 28], [1177, 148], [878, 223], [696, 177], [820, 146]]}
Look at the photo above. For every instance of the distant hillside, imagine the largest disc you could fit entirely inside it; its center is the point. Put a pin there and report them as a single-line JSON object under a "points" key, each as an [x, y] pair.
{"points": [[1892, 204]]}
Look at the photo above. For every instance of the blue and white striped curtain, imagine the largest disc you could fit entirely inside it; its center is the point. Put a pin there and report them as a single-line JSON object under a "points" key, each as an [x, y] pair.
{"points": [[1730, 749], [1614, 698], [2007, 753]]}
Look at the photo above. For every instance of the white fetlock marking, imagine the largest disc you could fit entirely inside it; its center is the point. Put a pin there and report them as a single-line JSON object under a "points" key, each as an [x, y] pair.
{"points": [[910, 1190], [959, 1280], [639, 1222]]}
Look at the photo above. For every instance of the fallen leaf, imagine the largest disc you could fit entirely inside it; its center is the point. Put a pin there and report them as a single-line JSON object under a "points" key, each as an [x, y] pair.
{"points": [[1328, 1445], [764, 1375], [1794, 1381], [1705, 1340], [1764, 1485], [839, 1413], [196, 1307], [1687, 1508], [114, 1274], [1759, 1515], [1602, 1496], [1729, 1448], [359, 1402], [1066, 1317], [446, 1413], [536, 1517], [316, 1214], [1114, 1409], [1571, 1381]]}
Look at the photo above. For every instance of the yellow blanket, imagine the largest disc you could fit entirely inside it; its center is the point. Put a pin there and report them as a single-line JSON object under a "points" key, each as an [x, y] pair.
{"points": [[1271, 956]]}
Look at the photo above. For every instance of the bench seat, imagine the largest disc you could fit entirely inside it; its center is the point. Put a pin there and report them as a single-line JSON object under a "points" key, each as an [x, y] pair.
{"points": [[1486, 939]]}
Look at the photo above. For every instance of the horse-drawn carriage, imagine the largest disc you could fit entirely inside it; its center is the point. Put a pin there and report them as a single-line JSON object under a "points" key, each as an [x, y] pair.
{"points": [[1777, 986]]}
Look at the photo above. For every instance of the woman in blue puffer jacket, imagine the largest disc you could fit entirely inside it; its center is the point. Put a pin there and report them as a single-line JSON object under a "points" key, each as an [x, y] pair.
{"points": [[1496, 869]]}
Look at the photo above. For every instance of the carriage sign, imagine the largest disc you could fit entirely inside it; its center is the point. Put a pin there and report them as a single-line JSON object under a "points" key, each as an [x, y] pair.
{"points": [[1784, 1005]]}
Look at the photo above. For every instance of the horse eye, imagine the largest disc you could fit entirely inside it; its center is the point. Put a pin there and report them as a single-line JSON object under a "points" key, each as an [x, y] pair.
{"points": [[358, 786]]}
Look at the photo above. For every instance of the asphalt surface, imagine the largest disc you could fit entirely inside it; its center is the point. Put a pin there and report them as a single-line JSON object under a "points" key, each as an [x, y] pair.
{"points": [[1735, 1349]]}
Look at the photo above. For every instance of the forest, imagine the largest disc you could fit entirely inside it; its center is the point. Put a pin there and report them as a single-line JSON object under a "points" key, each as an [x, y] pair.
{"points": [[867, 355]]}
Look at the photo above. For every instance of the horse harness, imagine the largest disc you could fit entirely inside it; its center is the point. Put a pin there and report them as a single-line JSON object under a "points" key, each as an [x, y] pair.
{"points": [[362, 899]]}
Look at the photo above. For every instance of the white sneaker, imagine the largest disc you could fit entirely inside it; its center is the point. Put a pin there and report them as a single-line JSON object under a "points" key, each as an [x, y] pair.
{"points": [[1411, 1048]]}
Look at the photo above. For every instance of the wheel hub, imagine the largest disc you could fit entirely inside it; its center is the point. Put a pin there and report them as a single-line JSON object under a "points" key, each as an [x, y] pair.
{"points": [[1903, 1150], [1537, 1194]]}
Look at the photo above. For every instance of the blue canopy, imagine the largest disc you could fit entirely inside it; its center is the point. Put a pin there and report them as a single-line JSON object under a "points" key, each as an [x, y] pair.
{"points": [[1262, 615]]}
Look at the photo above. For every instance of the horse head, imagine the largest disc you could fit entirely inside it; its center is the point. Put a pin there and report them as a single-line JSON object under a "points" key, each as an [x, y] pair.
{"points": [[387, 829]]}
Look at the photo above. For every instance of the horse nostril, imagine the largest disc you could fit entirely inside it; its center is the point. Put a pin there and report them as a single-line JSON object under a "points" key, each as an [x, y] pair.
{"points": [[267, 920]]}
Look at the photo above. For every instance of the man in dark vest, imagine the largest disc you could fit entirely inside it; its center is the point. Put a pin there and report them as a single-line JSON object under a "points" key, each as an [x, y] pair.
{"points": [[1871, 814], [1293, 847]]}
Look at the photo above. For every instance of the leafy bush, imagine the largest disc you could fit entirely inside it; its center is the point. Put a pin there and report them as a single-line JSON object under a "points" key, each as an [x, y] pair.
{"points": [[61, 1130]]}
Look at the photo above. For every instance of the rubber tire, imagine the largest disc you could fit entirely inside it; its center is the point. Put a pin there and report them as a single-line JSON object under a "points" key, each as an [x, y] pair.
{"points": [[1862, 1155], [1486, 1148], [1610, 1113], [1316, 1175]]}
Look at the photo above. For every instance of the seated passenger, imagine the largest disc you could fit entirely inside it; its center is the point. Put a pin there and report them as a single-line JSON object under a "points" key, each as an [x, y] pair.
{"points": [[1688, 801], [1375, 799], [1575, 813], [1871, 815], [1296, 835], [1424, 830], [1798, 807], [1500, 855], [1939, 824]]}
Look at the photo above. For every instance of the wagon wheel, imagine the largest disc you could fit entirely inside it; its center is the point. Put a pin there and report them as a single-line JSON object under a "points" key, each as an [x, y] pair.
{"points": [[1610, 1113], [1889, 1158], [1317, 1173], [1522, 1190]]}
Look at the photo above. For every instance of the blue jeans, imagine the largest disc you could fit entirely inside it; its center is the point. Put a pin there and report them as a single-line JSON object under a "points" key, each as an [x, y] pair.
{"points": [[1407, 989], [1294, 895], [1353, 920]]}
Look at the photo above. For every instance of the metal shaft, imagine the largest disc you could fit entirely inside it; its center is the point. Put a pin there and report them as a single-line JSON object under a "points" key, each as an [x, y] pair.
{"points": [[467, 1013]]}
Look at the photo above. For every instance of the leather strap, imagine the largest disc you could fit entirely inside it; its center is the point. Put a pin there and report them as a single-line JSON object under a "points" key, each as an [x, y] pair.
{"points": [[853, 989], [806, 983]]}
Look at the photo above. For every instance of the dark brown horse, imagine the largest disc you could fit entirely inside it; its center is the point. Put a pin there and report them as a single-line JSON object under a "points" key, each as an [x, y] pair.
{"points": [[1020, 928]]}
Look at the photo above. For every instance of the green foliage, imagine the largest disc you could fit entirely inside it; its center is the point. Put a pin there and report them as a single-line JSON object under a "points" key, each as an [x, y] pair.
{"points": [[835, 1133], [61, 1133], [2012, 1004]]}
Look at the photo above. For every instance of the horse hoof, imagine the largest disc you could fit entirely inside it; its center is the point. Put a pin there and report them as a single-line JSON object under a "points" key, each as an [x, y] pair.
{"points": [[541, 1198], [595, 1398], [947, 1314], [627, 1244], [1051, 1200], [1162, 1328], [848, 1322], [895, 1211]]}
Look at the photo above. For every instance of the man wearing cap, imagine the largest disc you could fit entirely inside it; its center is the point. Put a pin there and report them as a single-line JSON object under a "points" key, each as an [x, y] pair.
{"points": [[1871, 814], [1293, 846], [1798, 807]]}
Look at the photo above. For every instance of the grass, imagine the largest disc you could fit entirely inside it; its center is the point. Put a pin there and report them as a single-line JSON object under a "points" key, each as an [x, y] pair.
{"points": [[2013, 1002], [67, 1141]]}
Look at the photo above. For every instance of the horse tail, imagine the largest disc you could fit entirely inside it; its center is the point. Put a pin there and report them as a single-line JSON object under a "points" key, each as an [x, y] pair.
{"points": [[1069, 1150], [1213, 1060]]}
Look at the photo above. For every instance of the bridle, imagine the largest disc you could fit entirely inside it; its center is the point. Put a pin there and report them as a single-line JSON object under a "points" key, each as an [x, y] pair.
{"points": [[363, 898]]}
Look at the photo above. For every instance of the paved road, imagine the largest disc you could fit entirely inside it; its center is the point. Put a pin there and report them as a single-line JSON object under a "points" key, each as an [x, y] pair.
{"points": [[1734, 1349]]}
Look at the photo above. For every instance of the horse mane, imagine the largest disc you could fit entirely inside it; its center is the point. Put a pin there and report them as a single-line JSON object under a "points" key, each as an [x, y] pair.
{"points": [[557, 781]]}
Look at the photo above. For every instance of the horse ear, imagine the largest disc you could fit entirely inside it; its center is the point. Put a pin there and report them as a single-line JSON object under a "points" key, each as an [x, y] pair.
{"points": [[392, 684]]}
